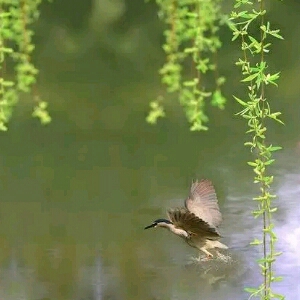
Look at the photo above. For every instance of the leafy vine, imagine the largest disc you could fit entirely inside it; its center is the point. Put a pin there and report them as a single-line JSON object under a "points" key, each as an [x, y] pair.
{"points": [[256, 109]]}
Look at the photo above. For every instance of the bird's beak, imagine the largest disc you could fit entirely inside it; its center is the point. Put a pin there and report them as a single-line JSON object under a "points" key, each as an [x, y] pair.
{"points": [[150, 226]]}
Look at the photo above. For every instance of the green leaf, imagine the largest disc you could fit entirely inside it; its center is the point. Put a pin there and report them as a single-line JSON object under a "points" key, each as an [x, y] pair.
{"points": [[218, 99], [274, 148], [240, 101], [257, 213], [250, 144], [41, 113], [191, 50], [277, 278], [252, 290], [191, 83], [256, 242], [269, 162], [156, 111], [250, 77], [277, 296], [3, 127], [6, 50], [7, 83]]}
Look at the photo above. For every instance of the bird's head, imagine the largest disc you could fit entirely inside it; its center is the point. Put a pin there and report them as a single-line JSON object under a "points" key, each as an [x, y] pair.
{"points": [[159, 223]]}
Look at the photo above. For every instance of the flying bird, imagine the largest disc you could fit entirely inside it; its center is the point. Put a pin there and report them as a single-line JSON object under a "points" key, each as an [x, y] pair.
{"points": [[197, 223]]}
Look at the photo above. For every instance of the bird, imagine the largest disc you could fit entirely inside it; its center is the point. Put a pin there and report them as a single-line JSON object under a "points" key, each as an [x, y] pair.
{"points": [[198, 221]]}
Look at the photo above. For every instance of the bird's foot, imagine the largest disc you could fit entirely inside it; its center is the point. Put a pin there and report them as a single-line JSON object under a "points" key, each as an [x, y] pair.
{"points": [[204, 258], [208, 257]]}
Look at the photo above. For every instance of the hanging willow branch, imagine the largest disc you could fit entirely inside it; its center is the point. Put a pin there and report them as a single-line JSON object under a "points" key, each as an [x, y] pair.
{"points": [[191, 44], [16, 46]]}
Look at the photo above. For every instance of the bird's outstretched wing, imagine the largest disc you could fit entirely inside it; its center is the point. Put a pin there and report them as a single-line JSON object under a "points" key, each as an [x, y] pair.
{"points": [[203, 202], [186, 220]]}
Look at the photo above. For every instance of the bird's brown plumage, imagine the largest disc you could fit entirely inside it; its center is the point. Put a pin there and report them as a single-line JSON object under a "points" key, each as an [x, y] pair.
{"points": [[203, 202], [188, 221]]}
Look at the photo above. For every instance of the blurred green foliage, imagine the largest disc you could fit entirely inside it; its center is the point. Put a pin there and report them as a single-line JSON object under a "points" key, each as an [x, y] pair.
{"points": [[16, 48]]}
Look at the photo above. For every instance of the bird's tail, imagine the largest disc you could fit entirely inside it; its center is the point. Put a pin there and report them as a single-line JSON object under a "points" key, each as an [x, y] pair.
{"points": [[218, 244]]}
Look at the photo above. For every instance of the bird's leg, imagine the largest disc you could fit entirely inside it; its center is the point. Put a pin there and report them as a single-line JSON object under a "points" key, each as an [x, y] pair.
{"points": [[203, 249], [209, 255]]}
